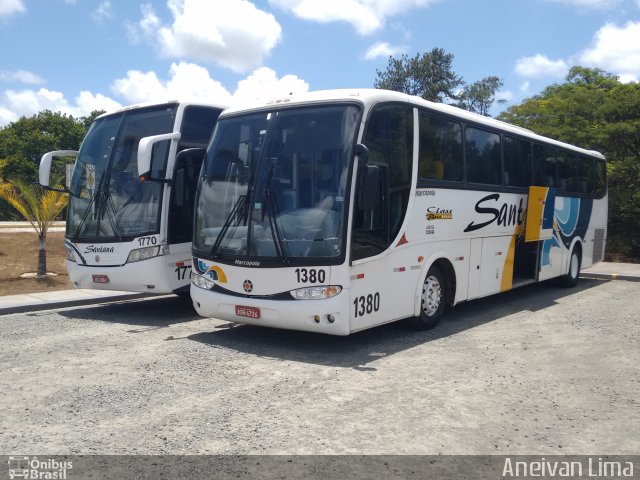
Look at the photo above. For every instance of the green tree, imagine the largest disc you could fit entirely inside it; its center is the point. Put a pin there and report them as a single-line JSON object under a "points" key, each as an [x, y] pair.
{"points": [[23, 142], [480, 96], [429, 75], [39, 207], [594, 110], [86, 121]]}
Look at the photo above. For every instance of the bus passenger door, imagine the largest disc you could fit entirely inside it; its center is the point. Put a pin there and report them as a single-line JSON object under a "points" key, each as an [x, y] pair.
{"points": [[539, 231], [382, 284]]}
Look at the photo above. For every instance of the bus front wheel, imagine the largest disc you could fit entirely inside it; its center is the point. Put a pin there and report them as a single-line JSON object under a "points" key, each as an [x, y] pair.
{"points": [[432, 301]]}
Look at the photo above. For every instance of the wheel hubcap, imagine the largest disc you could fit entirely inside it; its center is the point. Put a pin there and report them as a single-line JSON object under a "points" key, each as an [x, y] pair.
{"points": [[431, 296]]}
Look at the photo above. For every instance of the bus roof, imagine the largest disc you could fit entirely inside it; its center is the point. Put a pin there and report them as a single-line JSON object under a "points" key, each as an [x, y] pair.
{"points": [[157, 103], [370, 96]]}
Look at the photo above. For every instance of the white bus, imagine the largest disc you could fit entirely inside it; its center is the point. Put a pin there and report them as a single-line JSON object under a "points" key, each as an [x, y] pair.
{"points": [[338, 211], [129, 226]]}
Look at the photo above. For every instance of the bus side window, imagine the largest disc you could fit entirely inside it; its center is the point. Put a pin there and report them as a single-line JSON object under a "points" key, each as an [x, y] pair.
{"points": [[544, 166], [484, 162], [567, 173], [197, 125], [517, 162], [389, 138], [600, 178], [440, 155], [586, 175]]}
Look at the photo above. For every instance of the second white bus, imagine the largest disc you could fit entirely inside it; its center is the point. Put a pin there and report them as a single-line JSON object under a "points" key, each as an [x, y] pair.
{"points": [[130, 219], [338, 211]]}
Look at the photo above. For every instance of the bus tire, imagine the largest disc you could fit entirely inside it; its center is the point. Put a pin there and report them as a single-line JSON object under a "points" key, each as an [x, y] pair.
{"points": [[573, 275], [433, 300]]}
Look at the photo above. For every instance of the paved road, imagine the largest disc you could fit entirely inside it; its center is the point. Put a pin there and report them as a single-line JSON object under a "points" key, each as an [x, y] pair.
{"points": [[538, 370]]}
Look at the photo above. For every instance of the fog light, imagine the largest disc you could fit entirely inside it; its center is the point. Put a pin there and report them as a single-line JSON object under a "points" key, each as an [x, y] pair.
{"points": [[316, 318], [331, 318], [315, 293]]}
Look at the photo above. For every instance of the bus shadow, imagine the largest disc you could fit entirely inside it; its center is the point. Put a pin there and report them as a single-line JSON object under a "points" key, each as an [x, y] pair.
{"points": [[359, 350], [154, 313]]}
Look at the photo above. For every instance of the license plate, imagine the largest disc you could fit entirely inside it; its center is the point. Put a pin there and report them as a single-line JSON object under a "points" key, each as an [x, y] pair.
{"points": [[100, 279], [250, 312]]}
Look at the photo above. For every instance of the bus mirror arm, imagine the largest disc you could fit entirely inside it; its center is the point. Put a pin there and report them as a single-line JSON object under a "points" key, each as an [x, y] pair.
{"points": [[145, 153], [363, 154], [44, 169]]}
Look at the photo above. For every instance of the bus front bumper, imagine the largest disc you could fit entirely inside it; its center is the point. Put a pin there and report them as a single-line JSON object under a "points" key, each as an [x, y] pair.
{"points": [[148, 276], [330, 316]]}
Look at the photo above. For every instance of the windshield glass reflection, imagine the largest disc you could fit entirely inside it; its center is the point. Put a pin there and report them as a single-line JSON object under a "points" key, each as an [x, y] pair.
{"points": [[275, 184], [108, 200]]}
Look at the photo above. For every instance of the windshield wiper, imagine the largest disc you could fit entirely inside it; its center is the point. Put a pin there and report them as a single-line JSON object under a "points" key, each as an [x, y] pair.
{"points": [[271, 210], [239, 211], [102, 203]]}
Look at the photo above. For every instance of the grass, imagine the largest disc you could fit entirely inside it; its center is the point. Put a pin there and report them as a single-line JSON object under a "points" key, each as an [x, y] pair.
{"points": [[19, 254]]}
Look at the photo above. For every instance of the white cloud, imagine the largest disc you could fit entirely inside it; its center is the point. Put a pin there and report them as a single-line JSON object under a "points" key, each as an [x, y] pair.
{"points": [[103, 12], [505, 95], [193, 82], [9, 7], [541, 66], [616, 50], [14, 104], [264, 84], [383, 49], [231, 33], [589, 4], [187, 81], [366, 16], [21, 76]]}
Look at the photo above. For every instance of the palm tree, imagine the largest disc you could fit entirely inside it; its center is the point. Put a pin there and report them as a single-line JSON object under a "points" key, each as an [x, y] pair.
{"points": [[39, 207]]}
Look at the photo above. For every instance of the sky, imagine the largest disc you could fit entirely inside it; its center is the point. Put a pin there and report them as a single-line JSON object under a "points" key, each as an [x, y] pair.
{"points": [[76, 56]]}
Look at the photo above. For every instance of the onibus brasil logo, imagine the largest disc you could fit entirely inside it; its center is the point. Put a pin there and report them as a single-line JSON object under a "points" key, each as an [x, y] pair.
{"points": [[33, 468]]}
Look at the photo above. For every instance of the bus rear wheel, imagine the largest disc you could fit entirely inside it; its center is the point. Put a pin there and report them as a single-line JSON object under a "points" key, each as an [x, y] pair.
{"points": [[572, 276], [432, 301]]}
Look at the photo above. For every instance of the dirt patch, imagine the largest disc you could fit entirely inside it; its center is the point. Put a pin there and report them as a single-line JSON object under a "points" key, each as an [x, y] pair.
{"points": [[19, 254]]}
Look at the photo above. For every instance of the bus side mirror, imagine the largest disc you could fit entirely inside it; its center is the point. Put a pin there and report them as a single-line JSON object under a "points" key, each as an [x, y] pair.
{"points": [[370, 188], [179, 176], [145, 153], [44, 170]]}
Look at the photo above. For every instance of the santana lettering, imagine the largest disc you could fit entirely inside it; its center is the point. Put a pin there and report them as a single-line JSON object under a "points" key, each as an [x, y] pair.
{"points": [[98, 249], [506, 214]]}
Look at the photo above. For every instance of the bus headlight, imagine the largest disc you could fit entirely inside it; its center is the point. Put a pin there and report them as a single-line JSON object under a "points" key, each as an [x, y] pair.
{"points": [[202, 282], [315, 293], [70, 256], [140, 254]]}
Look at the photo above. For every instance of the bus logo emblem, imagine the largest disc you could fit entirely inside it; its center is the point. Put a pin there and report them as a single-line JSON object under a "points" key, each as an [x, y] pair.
{"points": [[435, 213], [248, 286]]}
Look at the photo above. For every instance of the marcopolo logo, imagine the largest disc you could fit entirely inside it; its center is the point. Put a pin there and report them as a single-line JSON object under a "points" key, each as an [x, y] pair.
{"points": [[34, 468]]}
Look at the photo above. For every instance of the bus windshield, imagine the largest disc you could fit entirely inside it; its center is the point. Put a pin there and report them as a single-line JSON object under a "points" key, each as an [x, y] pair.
{"points": [[275, 183], [108, 201]]}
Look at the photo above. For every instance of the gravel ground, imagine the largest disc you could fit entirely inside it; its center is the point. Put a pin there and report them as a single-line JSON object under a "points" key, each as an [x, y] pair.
{"points": [[537, 371]]}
